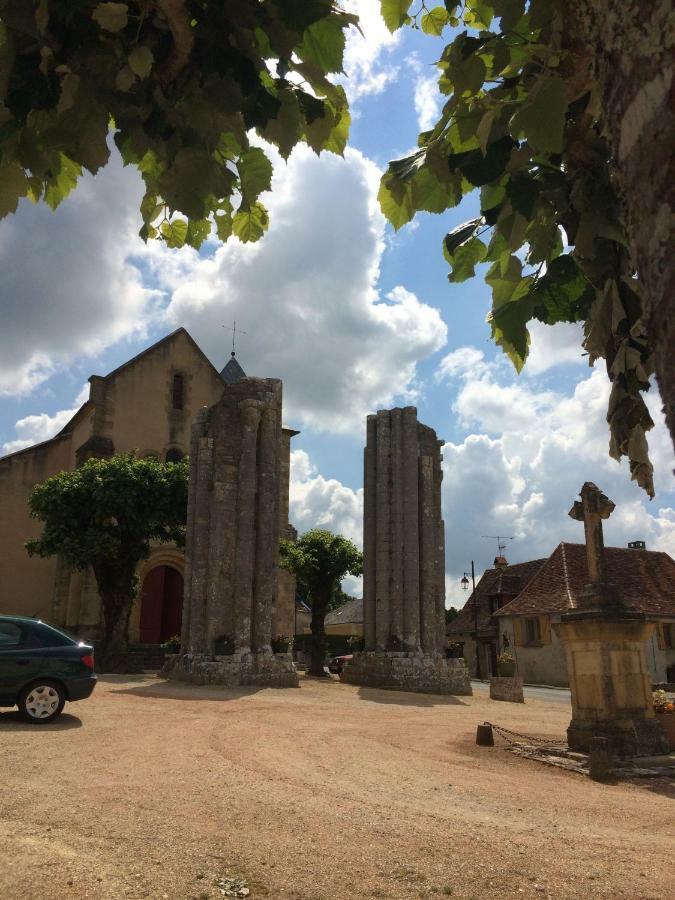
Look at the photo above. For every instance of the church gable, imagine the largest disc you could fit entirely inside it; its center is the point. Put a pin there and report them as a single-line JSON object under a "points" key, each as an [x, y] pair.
{"points": [[149, 402]]}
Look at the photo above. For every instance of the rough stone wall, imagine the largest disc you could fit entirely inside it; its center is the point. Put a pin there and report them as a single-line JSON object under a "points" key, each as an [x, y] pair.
{"points": [[404, 570], [233, 519], [271, 670], [419, 673]]}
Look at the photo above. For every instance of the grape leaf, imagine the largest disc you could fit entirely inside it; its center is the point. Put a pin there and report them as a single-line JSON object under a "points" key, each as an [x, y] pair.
{"points": [[111, 16]]}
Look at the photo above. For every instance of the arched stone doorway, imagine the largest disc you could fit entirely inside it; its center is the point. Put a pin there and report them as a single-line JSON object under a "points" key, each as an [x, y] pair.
{"points": [[161, 605]]}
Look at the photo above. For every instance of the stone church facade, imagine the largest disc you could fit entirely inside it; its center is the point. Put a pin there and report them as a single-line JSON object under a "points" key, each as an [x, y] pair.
{"points": [[148, 405]]}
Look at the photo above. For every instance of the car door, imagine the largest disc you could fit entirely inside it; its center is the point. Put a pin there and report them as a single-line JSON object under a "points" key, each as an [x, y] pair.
{"points": [[18, 664]]}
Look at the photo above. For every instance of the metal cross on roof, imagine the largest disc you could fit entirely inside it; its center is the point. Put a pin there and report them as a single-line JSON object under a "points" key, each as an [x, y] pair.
{"points": [[234, 332]]}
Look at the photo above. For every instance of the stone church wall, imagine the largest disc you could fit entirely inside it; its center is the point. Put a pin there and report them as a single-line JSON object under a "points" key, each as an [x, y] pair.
{"points": [[130, 409]]}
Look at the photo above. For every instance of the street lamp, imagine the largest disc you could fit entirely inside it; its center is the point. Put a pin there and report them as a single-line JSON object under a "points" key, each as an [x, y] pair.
{"points": [[465, 586]]}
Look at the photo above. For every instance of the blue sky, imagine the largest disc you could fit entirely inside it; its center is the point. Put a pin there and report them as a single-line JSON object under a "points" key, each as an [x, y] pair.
{"points": [[350, 315]]}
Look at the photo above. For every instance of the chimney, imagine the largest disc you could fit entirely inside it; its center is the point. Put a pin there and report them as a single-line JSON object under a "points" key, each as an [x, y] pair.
{"points": [[637, 545], [500, 562]]}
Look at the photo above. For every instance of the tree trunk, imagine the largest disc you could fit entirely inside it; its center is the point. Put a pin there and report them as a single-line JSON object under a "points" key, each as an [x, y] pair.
{"points": [[117, 590], [318, 660], [630, 63]]}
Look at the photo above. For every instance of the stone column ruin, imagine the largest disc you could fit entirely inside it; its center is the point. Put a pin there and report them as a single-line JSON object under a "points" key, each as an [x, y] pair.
{"points": [[232, 542], [404, 561]]}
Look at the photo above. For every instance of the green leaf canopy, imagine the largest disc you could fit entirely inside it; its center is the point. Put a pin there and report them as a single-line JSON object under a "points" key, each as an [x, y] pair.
{"points": [[181, 86]]}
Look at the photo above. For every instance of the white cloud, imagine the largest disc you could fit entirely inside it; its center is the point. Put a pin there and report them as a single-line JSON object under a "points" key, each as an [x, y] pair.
{"points": [[552, 345], [68, 288], [307, 297], [428, 101], [462, 362], [318, 502], [519, 474], [41, 427], [367, 62]]}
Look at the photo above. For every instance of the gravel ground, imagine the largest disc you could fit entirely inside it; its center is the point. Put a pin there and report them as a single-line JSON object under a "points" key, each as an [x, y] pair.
{"points": [[324, 792]]}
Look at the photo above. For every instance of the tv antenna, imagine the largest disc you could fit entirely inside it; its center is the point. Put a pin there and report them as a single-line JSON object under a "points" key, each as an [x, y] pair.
{"points": [[234, 331], [501, 541]]}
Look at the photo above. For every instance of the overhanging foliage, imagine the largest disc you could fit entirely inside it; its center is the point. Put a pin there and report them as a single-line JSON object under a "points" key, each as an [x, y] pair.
{"points": [[181, 83], [523, 126]]}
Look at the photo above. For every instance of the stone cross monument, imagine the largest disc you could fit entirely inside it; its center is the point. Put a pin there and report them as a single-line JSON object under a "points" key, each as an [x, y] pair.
{"points": [[232, 541], [404, 571], [605, 649], [593, 507]]}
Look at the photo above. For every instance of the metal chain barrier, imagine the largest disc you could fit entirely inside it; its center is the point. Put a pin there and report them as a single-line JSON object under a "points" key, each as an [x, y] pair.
{"points": [[508, 735]]}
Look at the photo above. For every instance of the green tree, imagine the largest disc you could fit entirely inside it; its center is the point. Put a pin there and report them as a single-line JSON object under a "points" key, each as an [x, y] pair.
{"points": [[451, 614], [558, 113], [182, 83], [106, 514], [320, 560]]}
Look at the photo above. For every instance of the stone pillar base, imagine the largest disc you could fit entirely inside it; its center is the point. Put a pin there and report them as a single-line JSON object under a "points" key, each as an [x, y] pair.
{"points": [[421, 673], [634, 737], [509, 689], [264, 669], [610, 682]]}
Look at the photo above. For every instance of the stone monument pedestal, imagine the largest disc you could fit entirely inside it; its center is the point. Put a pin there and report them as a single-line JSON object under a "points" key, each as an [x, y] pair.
{"points": [[610, 682], [418, 672], [509, 689], [264, 669]]}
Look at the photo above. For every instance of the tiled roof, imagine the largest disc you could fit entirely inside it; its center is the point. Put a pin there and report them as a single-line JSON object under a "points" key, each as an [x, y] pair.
{"points": [[505, 582], [233, 371], [350, 612], [646, 579]]}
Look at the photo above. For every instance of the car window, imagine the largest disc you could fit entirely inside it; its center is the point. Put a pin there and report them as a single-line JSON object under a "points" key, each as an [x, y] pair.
{"points": [[41, 635], [10, 635], [58, 636]]}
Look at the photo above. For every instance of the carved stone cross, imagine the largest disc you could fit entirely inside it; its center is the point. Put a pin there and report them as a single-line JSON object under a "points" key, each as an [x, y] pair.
{"points": [[593, 507]]}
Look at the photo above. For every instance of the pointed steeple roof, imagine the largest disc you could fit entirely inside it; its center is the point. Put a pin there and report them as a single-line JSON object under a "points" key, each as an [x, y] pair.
{"points": [[232, 371]]}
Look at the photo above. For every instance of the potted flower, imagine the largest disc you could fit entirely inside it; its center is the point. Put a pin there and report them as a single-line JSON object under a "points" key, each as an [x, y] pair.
{"points": [[665, 713], [282, 643], [506, 665], [172, 644]]}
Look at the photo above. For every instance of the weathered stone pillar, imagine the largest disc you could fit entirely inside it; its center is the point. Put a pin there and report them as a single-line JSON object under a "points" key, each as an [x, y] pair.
{"points": [[267, 531], [404, 571], [232, 543], [369, 517], [605, 648], [246, 521], [411, 530]]}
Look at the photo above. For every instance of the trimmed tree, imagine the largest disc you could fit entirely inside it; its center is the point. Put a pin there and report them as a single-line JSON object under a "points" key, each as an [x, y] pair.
{"points": [[559, 114], [320, 560], [106, 514]]}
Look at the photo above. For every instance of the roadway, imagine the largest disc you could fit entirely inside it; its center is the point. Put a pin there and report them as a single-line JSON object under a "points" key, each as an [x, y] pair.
{"points": [[532, 691]]}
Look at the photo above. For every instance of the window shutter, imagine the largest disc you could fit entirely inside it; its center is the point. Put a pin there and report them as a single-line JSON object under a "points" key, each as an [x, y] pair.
{"points": [[660, 636], [518, 631], [545, 629]]}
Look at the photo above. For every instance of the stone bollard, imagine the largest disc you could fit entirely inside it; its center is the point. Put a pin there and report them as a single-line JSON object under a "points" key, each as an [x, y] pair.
{"points": [[507, 688], [484, 735], [599, 759]]}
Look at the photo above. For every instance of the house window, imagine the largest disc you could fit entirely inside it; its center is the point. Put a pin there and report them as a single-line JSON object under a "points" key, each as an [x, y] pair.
{"points": [[177, 391], [669, 635], [532, 631], [174, 455]]}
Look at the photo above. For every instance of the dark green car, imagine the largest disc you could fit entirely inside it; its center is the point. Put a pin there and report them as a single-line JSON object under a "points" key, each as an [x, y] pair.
{"points": [[41, 667]]}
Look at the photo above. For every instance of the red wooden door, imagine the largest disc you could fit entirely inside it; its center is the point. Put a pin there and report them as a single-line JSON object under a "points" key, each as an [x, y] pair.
{"points": [[161, 605], [152, 602], [172, 614]]}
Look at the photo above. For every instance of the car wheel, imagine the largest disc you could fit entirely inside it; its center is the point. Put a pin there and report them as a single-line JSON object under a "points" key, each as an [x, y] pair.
{"points": [[42, 702]]}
